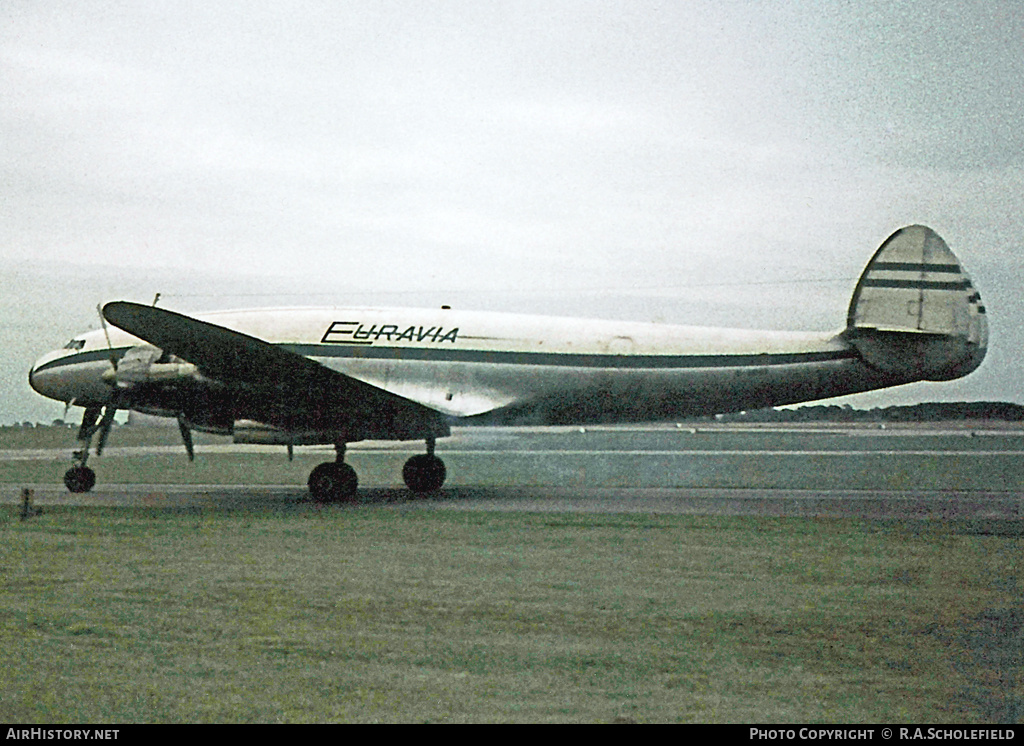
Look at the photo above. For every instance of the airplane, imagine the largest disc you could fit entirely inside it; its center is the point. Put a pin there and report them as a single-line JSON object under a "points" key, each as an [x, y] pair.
{"points": [[305, 376]]}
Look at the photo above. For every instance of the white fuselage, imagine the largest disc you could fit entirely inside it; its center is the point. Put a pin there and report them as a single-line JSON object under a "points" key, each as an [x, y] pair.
{"points": [[506, 368]]}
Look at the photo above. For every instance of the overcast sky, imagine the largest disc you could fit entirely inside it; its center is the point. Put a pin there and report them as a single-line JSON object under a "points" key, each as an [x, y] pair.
{"points": [[720, 163]]}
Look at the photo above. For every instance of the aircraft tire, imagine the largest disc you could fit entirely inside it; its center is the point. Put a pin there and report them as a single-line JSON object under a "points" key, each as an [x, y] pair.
{"points": [[333, 482], [424, 473], [79, 479]]}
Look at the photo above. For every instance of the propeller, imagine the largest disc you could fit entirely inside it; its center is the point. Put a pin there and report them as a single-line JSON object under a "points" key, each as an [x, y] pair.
{"points": [[120, 398], [111, 375], [186, 436], [106, 333], [67, 405], [106, 423]]}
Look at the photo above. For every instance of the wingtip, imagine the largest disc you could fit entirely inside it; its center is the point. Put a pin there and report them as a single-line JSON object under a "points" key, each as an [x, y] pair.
{"points": [[108, 306], [113, 310]]}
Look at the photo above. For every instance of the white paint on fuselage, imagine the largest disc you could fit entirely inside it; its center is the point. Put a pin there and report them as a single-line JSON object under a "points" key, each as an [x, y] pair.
{"points": [[547, 390], [505, 332], [404, 351]]}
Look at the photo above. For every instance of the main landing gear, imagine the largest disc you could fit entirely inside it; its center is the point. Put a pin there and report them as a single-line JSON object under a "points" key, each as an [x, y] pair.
{"points": [[336, 481], [425, 472]]}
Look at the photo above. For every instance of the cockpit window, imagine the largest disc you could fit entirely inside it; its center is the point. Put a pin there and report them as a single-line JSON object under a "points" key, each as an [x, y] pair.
{"points": [[75, 344]]}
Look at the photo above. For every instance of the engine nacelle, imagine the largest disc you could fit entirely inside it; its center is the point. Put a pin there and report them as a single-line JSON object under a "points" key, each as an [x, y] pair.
{"points": [[148, 364]]}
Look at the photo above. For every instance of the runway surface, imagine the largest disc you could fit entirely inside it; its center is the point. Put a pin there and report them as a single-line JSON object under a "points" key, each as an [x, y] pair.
{"points": [[868, 504], [830, 471]]}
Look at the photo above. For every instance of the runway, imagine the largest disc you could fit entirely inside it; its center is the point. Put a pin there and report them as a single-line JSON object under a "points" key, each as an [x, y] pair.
{"points": [[910, 472], [866, 504]]}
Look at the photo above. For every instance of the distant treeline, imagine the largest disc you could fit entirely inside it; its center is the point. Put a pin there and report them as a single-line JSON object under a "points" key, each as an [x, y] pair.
{"points": [[927, 412]]}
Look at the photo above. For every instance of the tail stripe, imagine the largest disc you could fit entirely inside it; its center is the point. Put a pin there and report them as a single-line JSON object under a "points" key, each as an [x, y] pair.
{"points": [[916, 267], [917, 284]]}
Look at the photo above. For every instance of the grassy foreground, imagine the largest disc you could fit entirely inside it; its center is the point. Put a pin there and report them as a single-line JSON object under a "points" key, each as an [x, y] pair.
{"points": [[291, 612]]}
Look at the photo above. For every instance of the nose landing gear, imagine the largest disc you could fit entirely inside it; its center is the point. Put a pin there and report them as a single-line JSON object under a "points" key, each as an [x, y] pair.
{"points": [[80, 478]]}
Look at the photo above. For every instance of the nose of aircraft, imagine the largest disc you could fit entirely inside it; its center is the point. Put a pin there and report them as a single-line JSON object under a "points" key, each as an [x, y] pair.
{"points": [[43, 378], [35, 380], [69, 375]]}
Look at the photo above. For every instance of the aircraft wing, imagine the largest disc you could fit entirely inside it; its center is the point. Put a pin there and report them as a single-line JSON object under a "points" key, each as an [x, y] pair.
{"points": [[278, 387]]}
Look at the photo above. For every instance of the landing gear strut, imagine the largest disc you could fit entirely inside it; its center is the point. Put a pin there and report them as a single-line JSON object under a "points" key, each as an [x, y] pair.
{"points": [[80, 478], [334, 481], [425, 472]]}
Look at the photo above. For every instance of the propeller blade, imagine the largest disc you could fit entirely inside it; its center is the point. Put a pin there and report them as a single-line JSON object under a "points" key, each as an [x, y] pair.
{"points": [[106, 423], [186, 437], [106, 333], [103, 323]]}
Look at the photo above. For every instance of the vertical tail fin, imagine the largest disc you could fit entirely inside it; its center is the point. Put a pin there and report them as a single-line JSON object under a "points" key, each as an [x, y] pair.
{"points": [[915, 311]]}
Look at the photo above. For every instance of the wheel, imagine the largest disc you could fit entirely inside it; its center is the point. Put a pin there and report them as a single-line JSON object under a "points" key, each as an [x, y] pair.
{"points": [[79, 479], [424, 473], [332, 481]]}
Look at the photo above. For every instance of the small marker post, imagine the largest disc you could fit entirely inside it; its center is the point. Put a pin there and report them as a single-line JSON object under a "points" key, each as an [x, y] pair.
{"points": [[27, 509]]}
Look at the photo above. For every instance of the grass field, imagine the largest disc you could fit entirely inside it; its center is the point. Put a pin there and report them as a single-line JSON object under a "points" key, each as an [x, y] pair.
{"points": [[387, 613], [281, 610]]}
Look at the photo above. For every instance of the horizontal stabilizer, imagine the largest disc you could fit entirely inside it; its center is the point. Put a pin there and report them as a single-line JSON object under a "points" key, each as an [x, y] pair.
{"points": [[915, 311]]}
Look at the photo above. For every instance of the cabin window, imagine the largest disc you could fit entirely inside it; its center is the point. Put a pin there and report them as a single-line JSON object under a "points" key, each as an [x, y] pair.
{"points": [[75, 344]]}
